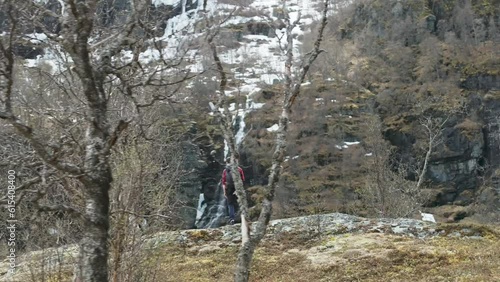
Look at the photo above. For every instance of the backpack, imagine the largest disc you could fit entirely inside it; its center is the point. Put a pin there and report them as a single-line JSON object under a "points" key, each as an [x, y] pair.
{"points": [[229, 181]]}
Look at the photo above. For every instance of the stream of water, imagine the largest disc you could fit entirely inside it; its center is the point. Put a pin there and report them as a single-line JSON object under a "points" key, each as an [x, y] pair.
{"points": [[211, 215]]}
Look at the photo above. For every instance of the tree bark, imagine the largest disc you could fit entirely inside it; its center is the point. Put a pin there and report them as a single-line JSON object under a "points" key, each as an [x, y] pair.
{"points": [[245, 256], [94, 245]]}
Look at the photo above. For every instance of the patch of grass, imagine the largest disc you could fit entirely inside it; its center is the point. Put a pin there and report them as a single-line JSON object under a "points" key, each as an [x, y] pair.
{"points": [[346, 257], [382, 258], [469, 128], [199, 235], [470, 229], [442, 259]]}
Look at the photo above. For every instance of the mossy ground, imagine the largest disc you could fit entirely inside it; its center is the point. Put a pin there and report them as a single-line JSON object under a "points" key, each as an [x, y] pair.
{"points": [[362, 257], [464, 252]]}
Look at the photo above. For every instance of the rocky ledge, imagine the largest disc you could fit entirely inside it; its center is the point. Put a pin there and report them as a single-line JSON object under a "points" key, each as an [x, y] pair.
{"points": [[316, 226]]}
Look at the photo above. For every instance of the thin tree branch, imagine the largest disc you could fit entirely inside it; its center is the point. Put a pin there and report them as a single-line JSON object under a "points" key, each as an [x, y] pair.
{"points": [[120, 127], [140, 215]]}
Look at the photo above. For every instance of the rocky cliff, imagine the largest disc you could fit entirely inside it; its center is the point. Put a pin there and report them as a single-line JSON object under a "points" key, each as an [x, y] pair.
{"points": [[403, 61]]}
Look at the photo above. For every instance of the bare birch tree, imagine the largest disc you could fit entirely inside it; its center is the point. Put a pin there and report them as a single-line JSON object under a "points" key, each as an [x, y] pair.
{"points": [[294, 77], [94, 75], [389, 192]]}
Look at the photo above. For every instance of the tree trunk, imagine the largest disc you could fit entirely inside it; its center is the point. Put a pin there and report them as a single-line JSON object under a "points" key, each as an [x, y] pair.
{"points": [[94, 245], [97, 182], [245, 255], [247, 248]]}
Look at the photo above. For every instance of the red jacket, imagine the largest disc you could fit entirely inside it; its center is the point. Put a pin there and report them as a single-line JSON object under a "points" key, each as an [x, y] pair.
{"points": [[224, 175]]}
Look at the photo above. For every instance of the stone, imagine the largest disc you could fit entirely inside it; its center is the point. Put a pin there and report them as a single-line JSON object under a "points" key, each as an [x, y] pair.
{"points": [[354, 253], [208, 249], [399, 230], [397, 10]]}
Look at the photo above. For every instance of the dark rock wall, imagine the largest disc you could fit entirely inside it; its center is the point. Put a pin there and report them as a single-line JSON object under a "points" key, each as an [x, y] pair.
{"points": [[469, 157], [491, 117], [190, 184], [469, 154]]}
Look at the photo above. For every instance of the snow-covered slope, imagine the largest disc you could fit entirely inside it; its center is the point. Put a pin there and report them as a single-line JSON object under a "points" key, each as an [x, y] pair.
{"points": [[256, 59]]}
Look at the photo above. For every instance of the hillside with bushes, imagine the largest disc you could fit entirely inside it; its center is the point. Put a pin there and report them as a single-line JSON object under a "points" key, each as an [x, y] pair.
{"points": [[390, 69]]}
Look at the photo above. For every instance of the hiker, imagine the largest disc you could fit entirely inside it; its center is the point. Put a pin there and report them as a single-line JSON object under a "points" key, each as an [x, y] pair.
{"points": [[230, 189]]}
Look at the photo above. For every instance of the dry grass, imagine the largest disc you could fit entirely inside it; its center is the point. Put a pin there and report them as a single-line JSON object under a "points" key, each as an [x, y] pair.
{"points": [[319, 257], [363, 257]]}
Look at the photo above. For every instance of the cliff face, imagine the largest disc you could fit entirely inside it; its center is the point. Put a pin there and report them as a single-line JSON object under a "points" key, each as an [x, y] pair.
{"points": [[112, 12], [401, 61], [202, 166], [404, 61], [470, 152], [468, 157], [491, 117]]}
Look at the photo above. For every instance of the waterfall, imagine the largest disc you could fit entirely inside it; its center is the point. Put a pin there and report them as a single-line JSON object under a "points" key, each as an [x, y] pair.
{"points": [[239, 122], [211, 215], [219, 209], [202, 205], [183, 6]]}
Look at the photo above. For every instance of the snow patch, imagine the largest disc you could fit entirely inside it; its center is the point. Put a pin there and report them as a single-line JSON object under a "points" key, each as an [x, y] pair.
{"points": [[273, 128], [165, 2], [55, 58], [428, 217], [346, 145], [36, 37]]}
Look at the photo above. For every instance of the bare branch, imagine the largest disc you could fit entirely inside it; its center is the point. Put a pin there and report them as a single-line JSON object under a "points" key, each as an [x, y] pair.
{"points": [[58, 208], [122, 38], [141, 215], [313, 54], [21, 189], [39, 146], [122, 126]]}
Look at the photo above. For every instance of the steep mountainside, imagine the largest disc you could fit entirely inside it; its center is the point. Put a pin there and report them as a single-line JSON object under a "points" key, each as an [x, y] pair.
{"points": [[401, 113], [391, 71], [409, 64]]}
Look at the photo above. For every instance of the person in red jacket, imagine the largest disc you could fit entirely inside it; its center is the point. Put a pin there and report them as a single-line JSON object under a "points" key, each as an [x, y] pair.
{"points": [[230, 189]]}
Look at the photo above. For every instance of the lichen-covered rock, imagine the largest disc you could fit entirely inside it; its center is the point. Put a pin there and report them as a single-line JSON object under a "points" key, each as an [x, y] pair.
{"points": [[306, 226]]}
